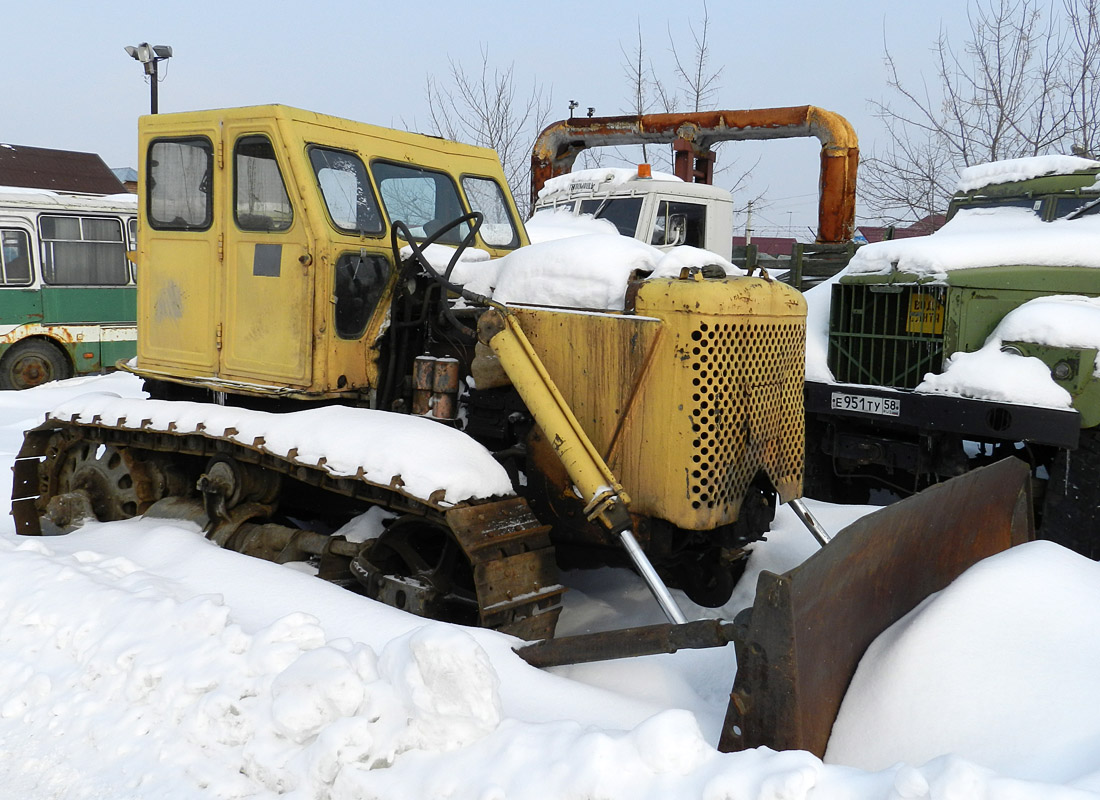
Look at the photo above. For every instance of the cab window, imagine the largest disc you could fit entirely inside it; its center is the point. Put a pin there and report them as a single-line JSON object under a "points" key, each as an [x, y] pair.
{"points": [[262, 203], [346, 190], [360, 280], [679, 224], [486, 196], [179, 188], [425, 200]]}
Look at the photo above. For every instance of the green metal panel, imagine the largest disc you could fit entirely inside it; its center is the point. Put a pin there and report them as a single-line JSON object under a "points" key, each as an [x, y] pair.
{"points": [[63, 305], [19, 306]]}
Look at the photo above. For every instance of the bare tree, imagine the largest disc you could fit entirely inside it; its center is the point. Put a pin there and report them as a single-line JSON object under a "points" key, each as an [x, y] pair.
{"points": [[486, 108], [698, 80], [1024, 83]]}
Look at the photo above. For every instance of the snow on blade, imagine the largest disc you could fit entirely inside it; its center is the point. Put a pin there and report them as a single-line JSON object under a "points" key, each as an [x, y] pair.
{"points": [[1021, 169], [425, 456], [969, 673]]}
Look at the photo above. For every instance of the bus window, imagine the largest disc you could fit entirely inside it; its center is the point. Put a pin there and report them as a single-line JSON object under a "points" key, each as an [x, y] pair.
{"points": [[15, 258], [83, 251]]}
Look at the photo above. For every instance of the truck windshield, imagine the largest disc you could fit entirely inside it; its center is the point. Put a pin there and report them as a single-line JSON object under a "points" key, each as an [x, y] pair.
{"points": [[622, 212]]}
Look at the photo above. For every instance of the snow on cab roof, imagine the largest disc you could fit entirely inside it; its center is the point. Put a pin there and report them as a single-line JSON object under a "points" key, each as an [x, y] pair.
{"points": [[601, 179], [1021, 169]]}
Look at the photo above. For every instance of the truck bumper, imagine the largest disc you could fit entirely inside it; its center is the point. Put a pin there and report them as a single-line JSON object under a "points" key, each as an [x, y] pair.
{"points": [[907, 412]]}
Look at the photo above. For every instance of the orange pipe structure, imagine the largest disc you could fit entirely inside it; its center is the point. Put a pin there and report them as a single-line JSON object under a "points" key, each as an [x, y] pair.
{"points": [[693, 134]]}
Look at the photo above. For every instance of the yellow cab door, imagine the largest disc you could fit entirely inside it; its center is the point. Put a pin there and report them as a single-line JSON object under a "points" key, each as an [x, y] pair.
{"points": [[267, 325], [179, 294]]}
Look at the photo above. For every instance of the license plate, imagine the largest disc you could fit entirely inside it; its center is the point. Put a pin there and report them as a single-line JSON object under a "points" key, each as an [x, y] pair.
{"points": [[863, 404]]}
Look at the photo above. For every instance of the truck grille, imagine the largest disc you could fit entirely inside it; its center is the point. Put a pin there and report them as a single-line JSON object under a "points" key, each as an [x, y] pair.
{"points": [[886, 335]]}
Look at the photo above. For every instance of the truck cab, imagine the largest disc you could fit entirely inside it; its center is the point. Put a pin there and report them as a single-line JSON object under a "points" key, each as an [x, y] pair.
{"points": [[656, 208]]}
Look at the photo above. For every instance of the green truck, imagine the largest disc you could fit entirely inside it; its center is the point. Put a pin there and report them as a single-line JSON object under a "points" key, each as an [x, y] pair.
{"points": [[941, 353]]}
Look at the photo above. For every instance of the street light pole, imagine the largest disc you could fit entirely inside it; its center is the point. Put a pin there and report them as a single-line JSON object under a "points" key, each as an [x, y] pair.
{"points": [[148, 56]]}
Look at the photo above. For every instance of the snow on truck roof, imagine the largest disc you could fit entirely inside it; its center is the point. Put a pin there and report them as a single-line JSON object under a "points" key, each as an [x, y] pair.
{"points": [[1021, 169], [603, 179], [986, 237]]}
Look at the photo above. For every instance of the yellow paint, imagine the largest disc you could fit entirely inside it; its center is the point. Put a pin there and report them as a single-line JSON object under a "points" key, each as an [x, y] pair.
{"points": [[276, 322]]}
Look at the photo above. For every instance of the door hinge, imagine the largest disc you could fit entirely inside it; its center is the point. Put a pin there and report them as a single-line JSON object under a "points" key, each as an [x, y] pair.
{"points": [[221, 247], [218, 336], [221, 154]]}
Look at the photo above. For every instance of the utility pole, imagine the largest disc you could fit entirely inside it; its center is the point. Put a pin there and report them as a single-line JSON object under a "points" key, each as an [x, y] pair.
{"points": [[748, 226]]}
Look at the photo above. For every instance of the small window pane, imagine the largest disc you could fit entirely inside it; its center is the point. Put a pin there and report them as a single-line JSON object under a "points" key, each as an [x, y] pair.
{"points": [[346, 190], [679, 224], [423, 199], [179, 184], [102, 230], [486, 196], [15, 257], [360, 280], [262, 201], [61, 228]]}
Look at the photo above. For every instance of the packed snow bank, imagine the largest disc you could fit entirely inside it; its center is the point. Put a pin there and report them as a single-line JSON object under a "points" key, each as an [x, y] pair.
{"points": [[986, 237], [1021, 169], [588, 271], [1001, 668], [139, 661], [420, 457]]}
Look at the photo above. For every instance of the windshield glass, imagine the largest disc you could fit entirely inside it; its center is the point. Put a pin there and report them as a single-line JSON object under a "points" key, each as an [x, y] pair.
{"points": [[622, 212], [423, 199]]}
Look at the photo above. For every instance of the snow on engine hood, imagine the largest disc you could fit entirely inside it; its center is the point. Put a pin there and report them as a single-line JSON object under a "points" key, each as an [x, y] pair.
{"points": [[589, 271], [985, 237]]}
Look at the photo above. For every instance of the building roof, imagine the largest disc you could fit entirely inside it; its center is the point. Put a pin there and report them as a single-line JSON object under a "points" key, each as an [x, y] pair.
{"points": [[57, 170], [922, 227], [771, 245]]}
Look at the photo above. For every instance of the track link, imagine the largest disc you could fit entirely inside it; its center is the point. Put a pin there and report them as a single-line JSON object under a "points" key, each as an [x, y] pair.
{"points": [[125, 471]]}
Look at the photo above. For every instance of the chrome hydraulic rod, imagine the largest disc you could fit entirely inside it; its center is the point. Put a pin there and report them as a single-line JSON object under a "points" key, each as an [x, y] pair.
{"points": [[652, 579], [810, 521]]}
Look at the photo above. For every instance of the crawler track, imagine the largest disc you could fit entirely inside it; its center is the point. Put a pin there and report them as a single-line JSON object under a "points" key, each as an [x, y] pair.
{"points": [[488, 563]]}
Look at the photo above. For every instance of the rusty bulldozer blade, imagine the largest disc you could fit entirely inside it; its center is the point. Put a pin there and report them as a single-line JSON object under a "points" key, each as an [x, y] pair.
{"points": [[799, 645]]}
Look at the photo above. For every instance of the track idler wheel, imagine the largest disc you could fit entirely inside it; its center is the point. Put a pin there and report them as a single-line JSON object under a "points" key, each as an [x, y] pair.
{"points": [[418, 566], [106, 483]]}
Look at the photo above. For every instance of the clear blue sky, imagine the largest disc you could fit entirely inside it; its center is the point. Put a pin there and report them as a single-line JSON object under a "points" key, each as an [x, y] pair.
{"points": [[69, 84]]}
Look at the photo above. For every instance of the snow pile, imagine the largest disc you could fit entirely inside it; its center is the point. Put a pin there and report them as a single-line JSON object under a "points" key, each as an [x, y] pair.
{"points": [[990, 374], [588, 271], [1001, 668], [599, 180], [986, 237], [554, 223], [1021, 169], [380, 447]]}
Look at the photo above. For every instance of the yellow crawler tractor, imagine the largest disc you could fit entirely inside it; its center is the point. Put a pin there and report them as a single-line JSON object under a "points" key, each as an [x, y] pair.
{"points": [[308, 363]]}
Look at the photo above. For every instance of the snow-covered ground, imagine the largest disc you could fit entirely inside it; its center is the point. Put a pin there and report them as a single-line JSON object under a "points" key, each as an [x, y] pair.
{"points": [[137, 660]]}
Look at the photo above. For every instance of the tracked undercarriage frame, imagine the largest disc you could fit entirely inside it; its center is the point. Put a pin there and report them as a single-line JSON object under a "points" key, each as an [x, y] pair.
{"points": [[488, 563]]}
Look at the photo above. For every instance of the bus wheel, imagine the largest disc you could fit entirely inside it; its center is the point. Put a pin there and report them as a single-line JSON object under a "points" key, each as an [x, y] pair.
{"points": [[32, 362]]}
